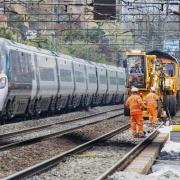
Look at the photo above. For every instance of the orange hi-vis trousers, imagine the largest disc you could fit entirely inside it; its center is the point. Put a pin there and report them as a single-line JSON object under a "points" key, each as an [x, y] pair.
{"points": [[152, 112], [137, 122]]}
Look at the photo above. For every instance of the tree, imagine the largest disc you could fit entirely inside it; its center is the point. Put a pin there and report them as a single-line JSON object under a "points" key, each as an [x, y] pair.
{"points": [[94, 35], [8, 34]]}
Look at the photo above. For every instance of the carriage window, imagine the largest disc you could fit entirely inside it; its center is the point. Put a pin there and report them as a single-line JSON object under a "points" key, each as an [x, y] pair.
{"points": [[65, 75], [20, 67], [46, 74], [92, 78], [121, 81], [112, 80], [79, 76], [102, 79]]}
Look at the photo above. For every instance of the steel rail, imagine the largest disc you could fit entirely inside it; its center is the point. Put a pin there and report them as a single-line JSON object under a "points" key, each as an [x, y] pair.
{"points": [[59, 133], [90, 4], [85, 14], [24, 131], [47, 164], [125, 161], [72, 21]]}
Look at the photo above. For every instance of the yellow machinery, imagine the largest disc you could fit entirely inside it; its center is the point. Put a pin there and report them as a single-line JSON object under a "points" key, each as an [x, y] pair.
{"points": [[157, 70]]}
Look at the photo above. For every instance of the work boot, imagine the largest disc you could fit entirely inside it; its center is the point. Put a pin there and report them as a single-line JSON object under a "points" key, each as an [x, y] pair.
{"points": [[135, 135], [142, 136], [154, 125]]}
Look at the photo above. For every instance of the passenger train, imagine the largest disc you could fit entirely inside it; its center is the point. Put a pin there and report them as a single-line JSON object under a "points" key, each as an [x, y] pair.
{"points": [[34, 80]]}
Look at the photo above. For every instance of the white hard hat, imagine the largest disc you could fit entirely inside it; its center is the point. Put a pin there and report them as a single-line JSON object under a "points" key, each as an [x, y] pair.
{"points": [[134, 89], [153, 89]]}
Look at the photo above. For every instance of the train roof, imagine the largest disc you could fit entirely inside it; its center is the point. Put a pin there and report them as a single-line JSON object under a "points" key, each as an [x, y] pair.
{"points": [[7, 42], [81, 60], [66, 57], [25, 47], [161, 54]]}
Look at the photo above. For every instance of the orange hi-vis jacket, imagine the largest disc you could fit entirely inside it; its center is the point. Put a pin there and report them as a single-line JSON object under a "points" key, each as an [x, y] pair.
{"points": [[151, 100], [135, 103]]}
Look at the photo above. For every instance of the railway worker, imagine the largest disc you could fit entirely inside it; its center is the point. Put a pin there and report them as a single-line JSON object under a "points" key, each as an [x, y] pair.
{"points": [[136, 105], [136, 69], [152, 104]]}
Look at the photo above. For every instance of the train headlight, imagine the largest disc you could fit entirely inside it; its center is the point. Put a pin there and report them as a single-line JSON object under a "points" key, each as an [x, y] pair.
{"points": [[2, 82]]}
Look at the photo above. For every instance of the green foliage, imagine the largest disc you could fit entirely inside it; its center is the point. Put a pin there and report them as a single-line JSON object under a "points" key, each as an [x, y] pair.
{"points": [[40, 43], [67, 36], [8, 34], [93, 35], [91, 51], [88, 52]]}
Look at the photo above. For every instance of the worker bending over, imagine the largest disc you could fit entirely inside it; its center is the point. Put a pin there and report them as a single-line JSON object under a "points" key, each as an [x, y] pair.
{"points": [[136, 105], [151, 101]]}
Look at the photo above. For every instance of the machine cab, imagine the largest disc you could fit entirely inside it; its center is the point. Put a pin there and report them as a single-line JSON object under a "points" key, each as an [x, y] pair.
{"points": [[136, 69]]}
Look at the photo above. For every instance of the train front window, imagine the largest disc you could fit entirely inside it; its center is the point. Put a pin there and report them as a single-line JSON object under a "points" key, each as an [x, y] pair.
{"points": [[136, 71], [20, 67], [0, 63], [169, 69]]}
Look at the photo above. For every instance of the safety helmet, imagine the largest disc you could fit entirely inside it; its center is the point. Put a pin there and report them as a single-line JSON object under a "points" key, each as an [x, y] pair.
{"points": [[134, 89], [153, 89]]}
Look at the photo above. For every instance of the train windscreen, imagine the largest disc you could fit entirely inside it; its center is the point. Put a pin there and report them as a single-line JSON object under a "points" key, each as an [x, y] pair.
{"points": [[20, 67], [136, 71], [0, 63]]}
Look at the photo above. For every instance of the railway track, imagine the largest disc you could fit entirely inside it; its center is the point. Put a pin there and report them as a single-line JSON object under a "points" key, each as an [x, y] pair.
{"points": [[49, 163], [130, 156], [102, 117], [120, 165], [41, 167], [24, 131]]}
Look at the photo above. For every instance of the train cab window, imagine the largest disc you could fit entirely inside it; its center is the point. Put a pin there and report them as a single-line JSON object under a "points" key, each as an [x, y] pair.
{"points": [[136, 71], [169, 69], [20, 67], [0, 63]]}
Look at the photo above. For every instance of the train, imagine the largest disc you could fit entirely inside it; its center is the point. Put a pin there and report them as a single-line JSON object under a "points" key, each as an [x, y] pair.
{"points": [[35, 80], [154, 69]]}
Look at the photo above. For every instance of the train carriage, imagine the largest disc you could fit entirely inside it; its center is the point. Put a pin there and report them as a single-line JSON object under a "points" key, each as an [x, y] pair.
{"points": [[80, 84], [34, 80], [47, 82], [66, 80], [112, 84], [18, 67], [91, 79], [102, 84], [121, 80]]}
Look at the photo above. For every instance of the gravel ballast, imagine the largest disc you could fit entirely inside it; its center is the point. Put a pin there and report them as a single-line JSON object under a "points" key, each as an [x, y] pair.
{"points": [[61, 127], [92, 163], [52, 119], [20, 158], [17, 159], [88, 165]]}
